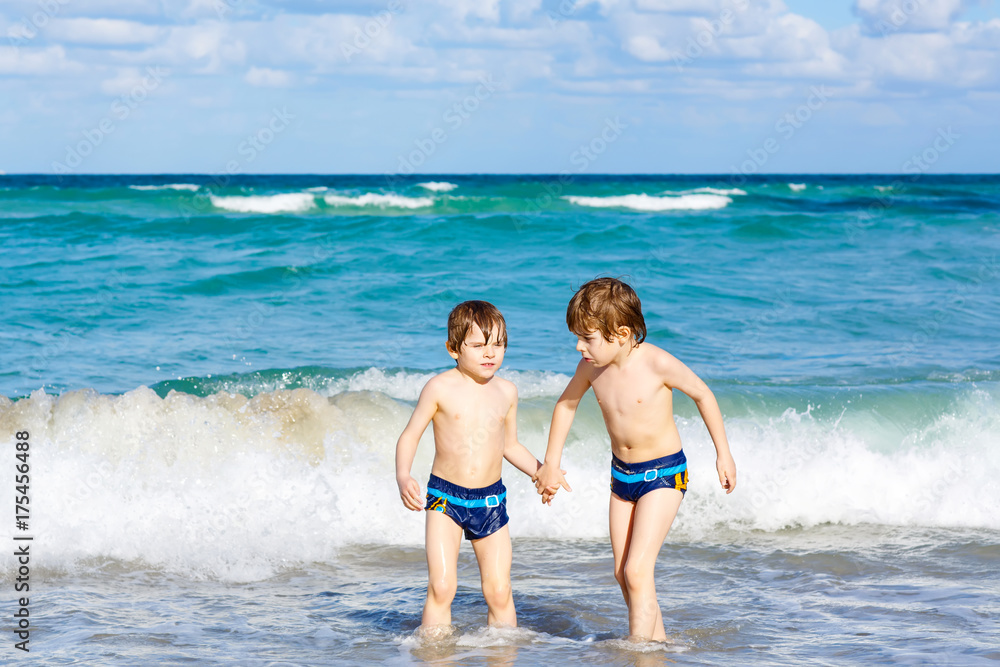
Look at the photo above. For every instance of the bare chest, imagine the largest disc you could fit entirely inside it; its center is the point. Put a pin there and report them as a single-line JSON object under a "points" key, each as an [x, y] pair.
{"points": [[623, 397], [475, 411]]}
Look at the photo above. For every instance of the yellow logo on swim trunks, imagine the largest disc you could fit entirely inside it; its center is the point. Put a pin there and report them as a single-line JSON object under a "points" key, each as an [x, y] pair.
{"points": [[681, 481], [438, 504]]}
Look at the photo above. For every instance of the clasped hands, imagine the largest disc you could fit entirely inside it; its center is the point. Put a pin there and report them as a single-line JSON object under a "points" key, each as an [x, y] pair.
{"points": [[548, 479]]}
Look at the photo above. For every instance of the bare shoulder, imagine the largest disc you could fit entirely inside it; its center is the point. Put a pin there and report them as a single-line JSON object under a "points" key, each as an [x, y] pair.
{"points": [[584, 370], [656, 357], [508, 388], [661, 362], [439, 384]]}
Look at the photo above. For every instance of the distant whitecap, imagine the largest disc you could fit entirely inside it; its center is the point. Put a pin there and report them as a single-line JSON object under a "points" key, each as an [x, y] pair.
{"points": [[692, 202], [438, 186], [190, 187], [718, 191], [380, 200], [291, 202]]}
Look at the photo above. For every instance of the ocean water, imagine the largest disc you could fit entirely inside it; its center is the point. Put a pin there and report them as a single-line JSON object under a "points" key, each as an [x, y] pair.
{"points": [[214, 373]]}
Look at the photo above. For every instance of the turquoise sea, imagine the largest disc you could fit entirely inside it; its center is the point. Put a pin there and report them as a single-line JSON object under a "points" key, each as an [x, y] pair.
{"points": [[214, 371]]}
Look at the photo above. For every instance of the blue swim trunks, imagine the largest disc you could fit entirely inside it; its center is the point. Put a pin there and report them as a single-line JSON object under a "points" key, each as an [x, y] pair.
{"points": [[481, 512], [631, 481]]}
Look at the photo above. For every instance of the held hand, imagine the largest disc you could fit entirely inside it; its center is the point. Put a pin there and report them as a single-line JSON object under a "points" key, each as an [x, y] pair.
{"points": [[727, 472], [409, 493], [548, 479], [549, 492]]}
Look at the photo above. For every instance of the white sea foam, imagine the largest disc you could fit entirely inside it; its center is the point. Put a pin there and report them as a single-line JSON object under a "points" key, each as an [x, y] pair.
{"points": [[406, 386], [190, 187], [717, 191], [380, 200], [237, 489], [643, 202], [797, 187], [290, 202], [438, 186]]}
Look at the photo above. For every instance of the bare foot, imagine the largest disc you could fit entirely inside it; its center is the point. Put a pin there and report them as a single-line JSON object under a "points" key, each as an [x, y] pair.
{"points": [[434, 633]]}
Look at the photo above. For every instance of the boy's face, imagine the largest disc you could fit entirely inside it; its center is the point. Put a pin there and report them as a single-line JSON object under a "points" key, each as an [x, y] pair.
{"points": [[597, 350], [478, 358]]}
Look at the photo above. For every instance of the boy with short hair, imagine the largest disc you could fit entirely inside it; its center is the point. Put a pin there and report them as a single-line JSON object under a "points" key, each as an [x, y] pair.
{"points": [[475, 428], [633, 383]]}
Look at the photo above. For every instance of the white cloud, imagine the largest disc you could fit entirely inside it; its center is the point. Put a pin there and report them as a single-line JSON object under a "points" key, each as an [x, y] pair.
{"points": [[36, 62], [214, 9], [262, 76], [789, 46], [522, 10], [647, 48], [330, 43], [744, 49], [96, 8], [129, 80], [883, 17], [97, 32], [967, 56], [203, 48], [486, 10], [699, 7]]}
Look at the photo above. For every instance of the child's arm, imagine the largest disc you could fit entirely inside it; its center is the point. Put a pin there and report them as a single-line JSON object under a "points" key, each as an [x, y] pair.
{"points": [[519, 455], [406, 448], [679, 376], [550, 475], [513, 450]]}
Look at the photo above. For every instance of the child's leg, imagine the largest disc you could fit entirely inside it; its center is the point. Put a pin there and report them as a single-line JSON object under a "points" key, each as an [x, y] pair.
{"points": [[620, 515], [443, 538], [494, 555], [638, 545]]}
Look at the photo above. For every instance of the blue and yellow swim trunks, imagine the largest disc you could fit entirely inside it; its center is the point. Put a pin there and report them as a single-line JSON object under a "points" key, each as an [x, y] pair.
{"points": [[631, 481], [480, 512]]}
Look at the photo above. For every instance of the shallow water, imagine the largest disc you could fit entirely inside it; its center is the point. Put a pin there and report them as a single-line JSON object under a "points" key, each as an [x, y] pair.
{"points": [[214, 378], [859, 595]]}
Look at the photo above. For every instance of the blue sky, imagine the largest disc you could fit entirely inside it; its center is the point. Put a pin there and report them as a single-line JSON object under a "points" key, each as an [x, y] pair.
{"points": [[505, 86]]}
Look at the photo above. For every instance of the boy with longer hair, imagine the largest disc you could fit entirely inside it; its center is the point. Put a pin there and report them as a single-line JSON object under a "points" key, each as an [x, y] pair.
{"points": [[475, 428], [633, 383]]}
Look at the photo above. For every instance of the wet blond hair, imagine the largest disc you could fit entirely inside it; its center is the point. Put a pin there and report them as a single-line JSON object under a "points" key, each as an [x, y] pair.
{"points": [[606, 305], [481, 313]]}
